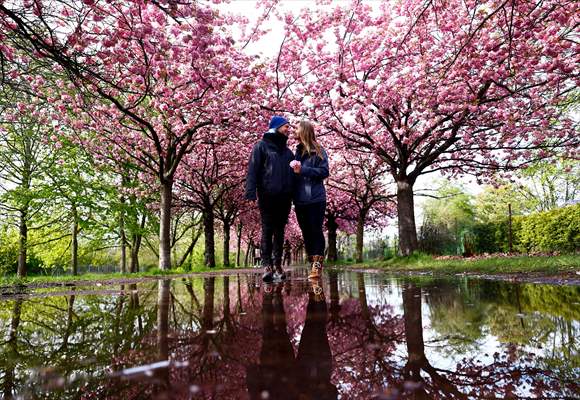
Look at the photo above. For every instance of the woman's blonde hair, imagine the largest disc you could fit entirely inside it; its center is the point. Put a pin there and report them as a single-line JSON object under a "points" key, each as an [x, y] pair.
{"points": [[308, 139]]}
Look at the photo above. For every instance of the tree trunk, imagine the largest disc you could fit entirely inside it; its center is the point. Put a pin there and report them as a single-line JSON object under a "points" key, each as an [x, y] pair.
{"points": [[22, 243], [165, 225], [334, 295], [360, 231], [163, 305], [74, 242], [11, 351], [123, 240], [136, 246], [406, 218], [208, 303], [194, 239], [208, 230], [226, 244], [239, 244], [332, 227], [246, 259]]}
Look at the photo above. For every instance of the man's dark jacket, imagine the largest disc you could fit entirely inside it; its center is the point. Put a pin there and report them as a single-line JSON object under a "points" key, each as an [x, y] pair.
{"points": [[269, 171]]}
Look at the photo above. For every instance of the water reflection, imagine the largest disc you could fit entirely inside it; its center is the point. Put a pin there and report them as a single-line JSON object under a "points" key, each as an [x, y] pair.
{"points": [[357, 336]]}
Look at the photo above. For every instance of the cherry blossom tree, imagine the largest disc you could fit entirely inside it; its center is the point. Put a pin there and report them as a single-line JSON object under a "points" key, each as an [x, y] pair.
{"points": [[360, 178], [457, 87], [145, 80]]}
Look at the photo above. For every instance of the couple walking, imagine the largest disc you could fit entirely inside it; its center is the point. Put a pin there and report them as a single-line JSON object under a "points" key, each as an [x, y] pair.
{"points": [[276, 177]]}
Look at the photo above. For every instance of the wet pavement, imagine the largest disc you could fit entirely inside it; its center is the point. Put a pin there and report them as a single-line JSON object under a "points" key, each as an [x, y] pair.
{"points": [[358, 335]]}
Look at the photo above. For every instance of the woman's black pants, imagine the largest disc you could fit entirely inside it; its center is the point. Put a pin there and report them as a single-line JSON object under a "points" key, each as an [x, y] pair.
{"points": [[310, 218]]}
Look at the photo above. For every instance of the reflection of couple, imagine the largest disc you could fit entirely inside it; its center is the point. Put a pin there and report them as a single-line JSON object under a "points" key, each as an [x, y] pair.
{"points": [[276, 177], [281, 375]]}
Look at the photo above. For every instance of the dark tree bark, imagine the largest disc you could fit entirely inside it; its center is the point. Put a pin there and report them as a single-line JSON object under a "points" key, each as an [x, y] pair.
{"points": [[75, 241], [22, 243], [247, 257], [332, 228], [360, 233], [136, 246], [123, 235], [239, 244], [226, 244], [165, 225], [209, 233], [406, 218], [208, 303]]}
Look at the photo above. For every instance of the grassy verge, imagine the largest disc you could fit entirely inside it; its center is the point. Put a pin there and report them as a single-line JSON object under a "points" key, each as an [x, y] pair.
{"points": [[492, 265], [154, 273]]}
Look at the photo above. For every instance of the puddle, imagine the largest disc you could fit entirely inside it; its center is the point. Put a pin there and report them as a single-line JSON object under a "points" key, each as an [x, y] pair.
{"points": [[360, 335]]}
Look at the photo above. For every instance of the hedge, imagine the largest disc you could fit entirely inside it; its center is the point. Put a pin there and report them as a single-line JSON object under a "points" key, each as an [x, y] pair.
{"points": [[548, 231]]}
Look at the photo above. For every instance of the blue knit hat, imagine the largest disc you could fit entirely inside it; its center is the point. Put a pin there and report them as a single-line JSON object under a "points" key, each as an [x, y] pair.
{"points": [[276, 122]]}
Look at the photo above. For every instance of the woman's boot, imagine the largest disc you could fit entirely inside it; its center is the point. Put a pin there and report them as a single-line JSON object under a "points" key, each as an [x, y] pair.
{"points": [[317, 290], [316, 268]]}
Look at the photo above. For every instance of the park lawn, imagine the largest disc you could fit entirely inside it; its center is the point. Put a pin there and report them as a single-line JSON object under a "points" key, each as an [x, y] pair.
{"points": [[549, 265], [40, 280]]}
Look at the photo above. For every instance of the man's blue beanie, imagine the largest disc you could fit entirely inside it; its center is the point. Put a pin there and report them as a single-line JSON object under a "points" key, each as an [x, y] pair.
{"points": [[277, 121]]}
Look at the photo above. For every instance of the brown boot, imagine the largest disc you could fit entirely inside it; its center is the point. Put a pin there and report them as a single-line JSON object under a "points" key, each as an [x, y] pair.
{"points": [[316, 269], [317, 291]]}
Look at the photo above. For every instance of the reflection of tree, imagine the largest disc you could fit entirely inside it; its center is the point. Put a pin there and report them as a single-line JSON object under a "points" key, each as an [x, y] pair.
{"points": [[67, 336], [334, 296], [518, 315], [163, 329], [457, 315], [11, 350], [472, 378], [211, 337], [416, 359], [363, 342]]}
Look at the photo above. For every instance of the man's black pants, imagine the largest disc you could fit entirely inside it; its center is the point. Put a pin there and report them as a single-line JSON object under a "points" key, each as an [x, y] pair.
{"points": [[310, 218], [274, 211]]}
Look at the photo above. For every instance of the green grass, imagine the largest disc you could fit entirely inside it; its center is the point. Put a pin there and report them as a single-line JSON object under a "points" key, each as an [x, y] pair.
{"points": [[496, 265], [416, 263], [35, 280]]}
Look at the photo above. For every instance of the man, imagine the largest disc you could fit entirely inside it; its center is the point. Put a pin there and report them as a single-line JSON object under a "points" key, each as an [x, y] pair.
{"points": [[271, 178]]}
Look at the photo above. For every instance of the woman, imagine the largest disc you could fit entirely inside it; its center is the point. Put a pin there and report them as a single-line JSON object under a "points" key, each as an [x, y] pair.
{"points": [[311, 168]]}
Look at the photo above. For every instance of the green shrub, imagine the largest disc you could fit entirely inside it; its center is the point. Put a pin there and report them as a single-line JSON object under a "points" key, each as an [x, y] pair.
{"points": [[9, 256], [554, 230], [8, 253]]}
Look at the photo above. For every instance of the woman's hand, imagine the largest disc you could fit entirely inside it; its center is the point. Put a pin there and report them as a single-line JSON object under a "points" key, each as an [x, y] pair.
{"points": [[296, 166]]}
